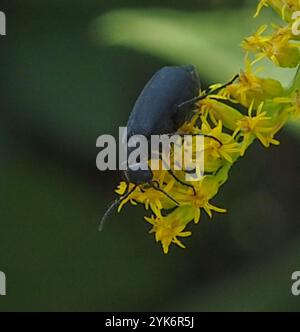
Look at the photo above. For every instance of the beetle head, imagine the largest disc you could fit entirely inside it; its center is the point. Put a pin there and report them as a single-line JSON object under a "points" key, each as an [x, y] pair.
{"points": [[139, 176]]}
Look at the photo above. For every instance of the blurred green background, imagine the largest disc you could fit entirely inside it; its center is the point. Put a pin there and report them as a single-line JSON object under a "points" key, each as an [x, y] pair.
{"points": [[71, 71]]}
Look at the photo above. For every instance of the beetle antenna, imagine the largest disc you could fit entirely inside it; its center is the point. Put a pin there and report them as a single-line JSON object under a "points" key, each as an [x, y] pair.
{"points": [[224, 85], [115, 203], [181, 182], [107, 213], [198, 98], [155, 185]]}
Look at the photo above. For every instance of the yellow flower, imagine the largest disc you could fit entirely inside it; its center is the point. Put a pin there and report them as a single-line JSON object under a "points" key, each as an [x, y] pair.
{"points": [[189, 127], [262, 3], [150, 197], [168, 228], [250, 87], [121, 190], [227, 150], [206, 189], [218, 110], [285, 8], [292, 103], [122, 187], [256, 42], [258, 126], [276, 47]]}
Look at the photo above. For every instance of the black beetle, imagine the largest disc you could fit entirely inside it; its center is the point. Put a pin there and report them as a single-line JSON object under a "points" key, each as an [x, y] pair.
{"points": [[157, 109], [161, 108]]}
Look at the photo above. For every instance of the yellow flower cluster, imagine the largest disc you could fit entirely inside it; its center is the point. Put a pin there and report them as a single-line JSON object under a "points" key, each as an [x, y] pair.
{"points": [[280, 46], [268, 106]]}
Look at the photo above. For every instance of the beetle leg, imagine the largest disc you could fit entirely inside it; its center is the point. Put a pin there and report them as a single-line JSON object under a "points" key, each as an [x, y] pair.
{"points": [[181, 182], [208, 136], [176, 178], [155, 185], [204, 135]]}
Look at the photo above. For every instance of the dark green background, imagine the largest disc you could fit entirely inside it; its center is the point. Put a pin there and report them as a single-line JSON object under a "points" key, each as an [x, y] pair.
{"points": [[71, 71]]}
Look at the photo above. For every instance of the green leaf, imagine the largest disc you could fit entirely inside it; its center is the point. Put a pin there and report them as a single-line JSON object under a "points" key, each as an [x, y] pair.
{"points": [[177, 37], [210, 40]]}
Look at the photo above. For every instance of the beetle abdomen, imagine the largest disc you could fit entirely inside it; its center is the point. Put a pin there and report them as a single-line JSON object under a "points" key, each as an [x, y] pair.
{"points": [[155, 108]]}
